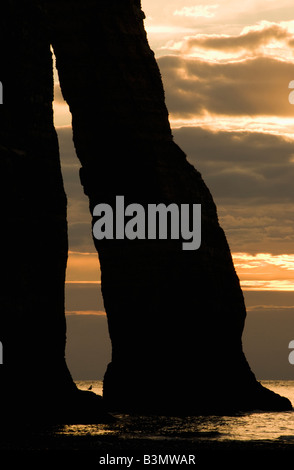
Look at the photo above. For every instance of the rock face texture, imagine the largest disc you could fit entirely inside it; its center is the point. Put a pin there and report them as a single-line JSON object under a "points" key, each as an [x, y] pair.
{"points": [[175, 317]]}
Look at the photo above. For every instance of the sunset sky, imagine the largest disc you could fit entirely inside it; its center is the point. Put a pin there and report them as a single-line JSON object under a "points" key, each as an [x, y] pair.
{"points": [[226, 68]]}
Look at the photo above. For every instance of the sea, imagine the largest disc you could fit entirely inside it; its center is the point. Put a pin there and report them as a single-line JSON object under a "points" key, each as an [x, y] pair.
{"points": [[136, 441], [246, 426]]}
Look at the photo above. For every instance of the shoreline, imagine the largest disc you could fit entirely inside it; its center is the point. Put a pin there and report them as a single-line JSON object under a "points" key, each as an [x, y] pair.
{"points": [[136, 436]]}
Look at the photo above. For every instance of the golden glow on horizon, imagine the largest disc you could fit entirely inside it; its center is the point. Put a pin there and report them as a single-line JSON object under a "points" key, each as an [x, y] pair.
{"points": [[83, 268], [262, 271], [272, 286], [85, 312], [261, 260], [280, 126], [265, 271], [83, 282]]}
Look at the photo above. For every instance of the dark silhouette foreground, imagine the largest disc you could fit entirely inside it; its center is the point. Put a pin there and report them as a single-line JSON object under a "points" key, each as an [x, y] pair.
{"points": [[175, 317]]}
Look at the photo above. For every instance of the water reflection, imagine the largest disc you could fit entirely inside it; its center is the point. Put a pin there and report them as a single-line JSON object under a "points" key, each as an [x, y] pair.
{"points": [[253, 426], [242, 427]]}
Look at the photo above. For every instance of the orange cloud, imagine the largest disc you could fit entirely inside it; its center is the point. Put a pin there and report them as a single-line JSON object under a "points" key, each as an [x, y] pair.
{"points": [[265, 271]]}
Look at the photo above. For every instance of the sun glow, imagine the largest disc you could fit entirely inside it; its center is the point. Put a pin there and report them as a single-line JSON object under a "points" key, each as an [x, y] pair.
{"points": [[82, 268], [280, 126], [262, 271], [265, 271]]}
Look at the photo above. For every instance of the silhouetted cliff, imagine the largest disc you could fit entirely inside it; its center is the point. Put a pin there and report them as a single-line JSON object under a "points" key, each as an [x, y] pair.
{"points": [[33, 229], [175, 317]]}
